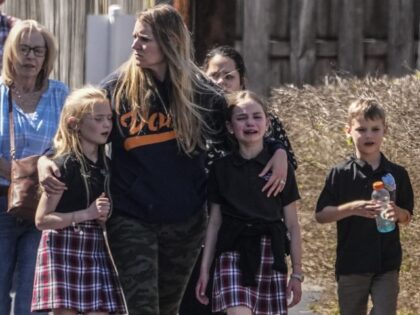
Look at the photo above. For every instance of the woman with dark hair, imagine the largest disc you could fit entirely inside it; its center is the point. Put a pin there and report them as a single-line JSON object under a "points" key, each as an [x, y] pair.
{"points": [[225, 66], [36, 102]]}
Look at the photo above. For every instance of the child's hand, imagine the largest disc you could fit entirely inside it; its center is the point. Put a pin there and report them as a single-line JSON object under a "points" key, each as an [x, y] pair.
{"points": [[392, 212], [365, 208], [103, 205], [200, 289], [99, 209], [294, 286]]}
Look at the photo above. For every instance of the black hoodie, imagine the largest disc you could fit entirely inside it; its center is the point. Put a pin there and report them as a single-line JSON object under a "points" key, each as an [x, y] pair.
{"points": [[152, 178]]}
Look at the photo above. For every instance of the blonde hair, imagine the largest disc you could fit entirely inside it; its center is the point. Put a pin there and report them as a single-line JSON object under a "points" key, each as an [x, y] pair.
{"points": [[79, 103], [137, 85], [11, 53], [368, 108]]}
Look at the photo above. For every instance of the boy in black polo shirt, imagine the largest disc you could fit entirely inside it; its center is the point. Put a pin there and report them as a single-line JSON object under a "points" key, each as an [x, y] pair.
{"points": [[368, 262]]}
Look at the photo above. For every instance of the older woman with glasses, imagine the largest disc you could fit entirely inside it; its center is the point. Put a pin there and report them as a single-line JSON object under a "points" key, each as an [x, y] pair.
{"points": [[29, 55]]}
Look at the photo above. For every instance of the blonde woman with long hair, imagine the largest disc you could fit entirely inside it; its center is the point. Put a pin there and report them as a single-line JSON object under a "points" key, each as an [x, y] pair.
{"points": [[166, 112]]}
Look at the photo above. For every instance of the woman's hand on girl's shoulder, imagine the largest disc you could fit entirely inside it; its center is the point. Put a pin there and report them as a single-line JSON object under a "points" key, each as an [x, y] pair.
{"points": [[48, 174], [278, 167]]}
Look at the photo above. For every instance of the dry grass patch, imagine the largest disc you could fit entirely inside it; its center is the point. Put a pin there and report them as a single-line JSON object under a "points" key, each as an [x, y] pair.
{"points": [[315, 118]]}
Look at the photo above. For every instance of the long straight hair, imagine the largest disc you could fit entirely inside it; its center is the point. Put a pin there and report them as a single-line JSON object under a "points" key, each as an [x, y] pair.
{"points": [[78, 104], [136, 85], [67, 138]]}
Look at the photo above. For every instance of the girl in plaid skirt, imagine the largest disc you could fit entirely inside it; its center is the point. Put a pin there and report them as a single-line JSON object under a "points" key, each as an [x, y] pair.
{"points": [[74, 271], [250, 233]]}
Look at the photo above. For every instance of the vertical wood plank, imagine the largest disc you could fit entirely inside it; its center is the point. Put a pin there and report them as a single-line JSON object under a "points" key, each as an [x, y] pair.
{"points": [[418, 51], [184, 8], [50, 11], [334, 17], [350, 42], [323, 27], [256, 43], [162, 1], [323, 68], [66, 19], [375, 66], [327, 18], [303, 45], [376, 19], [279, 72], [214, 25], [132, 7], [275, 73], [77, 75], [239, 17], [400, 58], [279, 26]]}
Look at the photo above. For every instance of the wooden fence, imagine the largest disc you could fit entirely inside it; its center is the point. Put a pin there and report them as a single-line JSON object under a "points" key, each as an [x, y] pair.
{"points": [[283, 41], [302, 41], [67, 20]]}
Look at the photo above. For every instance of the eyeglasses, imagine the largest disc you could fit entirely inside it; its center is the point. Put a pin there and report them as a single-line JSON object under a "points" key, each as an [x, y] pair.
{"points": [[39, 51]]}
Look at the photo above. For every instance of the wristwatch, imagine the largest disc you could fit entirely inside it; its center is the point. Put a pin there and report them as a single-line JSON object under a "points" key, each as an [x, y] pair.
{"points": [[298, 276]]}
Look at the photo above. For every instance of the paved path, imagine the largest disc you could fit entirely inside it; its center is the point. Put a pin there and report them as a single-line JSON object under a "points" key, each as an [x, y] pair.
{"points": [[310, 295]]}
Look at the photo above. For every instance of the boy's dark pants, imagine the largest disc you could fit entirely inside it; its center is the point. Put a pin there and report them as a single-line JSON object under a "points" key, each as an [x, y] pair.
{"points": [[154, 260], [354, 291]]}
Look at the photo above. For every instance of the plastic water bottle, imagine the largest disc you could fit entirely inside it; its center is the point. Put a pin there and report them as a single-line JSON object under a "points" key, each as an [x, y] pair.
{"points": [[381, 195], [390, 185]]}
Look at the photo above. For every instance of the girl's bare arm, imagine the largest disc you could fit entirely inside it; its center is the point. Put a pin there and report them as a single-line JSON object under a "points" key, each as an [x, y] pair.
{"points": [[47, 218], [208, 255], [294, 285]]}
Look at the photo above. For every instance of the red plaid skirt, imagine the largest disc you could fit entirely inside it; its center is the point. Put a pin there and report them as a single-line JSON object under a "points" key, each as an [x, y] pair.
{"points": [[74, 271], [267, 298]]}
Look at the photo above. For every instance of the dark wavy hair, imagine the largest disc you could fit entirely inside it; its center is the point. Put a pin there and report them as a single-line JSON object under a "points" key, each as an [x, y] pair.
{"points": [[232, 53]]}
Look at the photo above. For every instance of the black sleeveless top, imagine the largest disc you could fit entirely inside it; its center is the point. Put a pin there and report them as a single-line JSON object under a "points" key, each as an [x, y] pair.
{"points": [[76, 196]]}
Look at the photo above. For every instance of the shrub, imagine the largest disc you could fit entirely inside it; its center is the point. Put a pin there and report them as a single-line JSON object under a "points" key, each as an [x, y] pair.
{"points": [[315, 119]]}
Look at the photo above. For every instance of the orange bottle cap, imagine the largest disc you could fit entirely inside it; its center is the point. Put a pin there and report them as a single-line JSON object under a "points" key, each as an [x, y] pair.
{"points": [[378, 185]]}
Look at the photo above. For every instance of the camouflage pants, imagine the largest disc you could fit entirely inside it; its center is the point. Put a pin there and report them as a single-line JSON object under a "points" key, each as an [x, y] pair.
{"points": [[154, 261]]}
